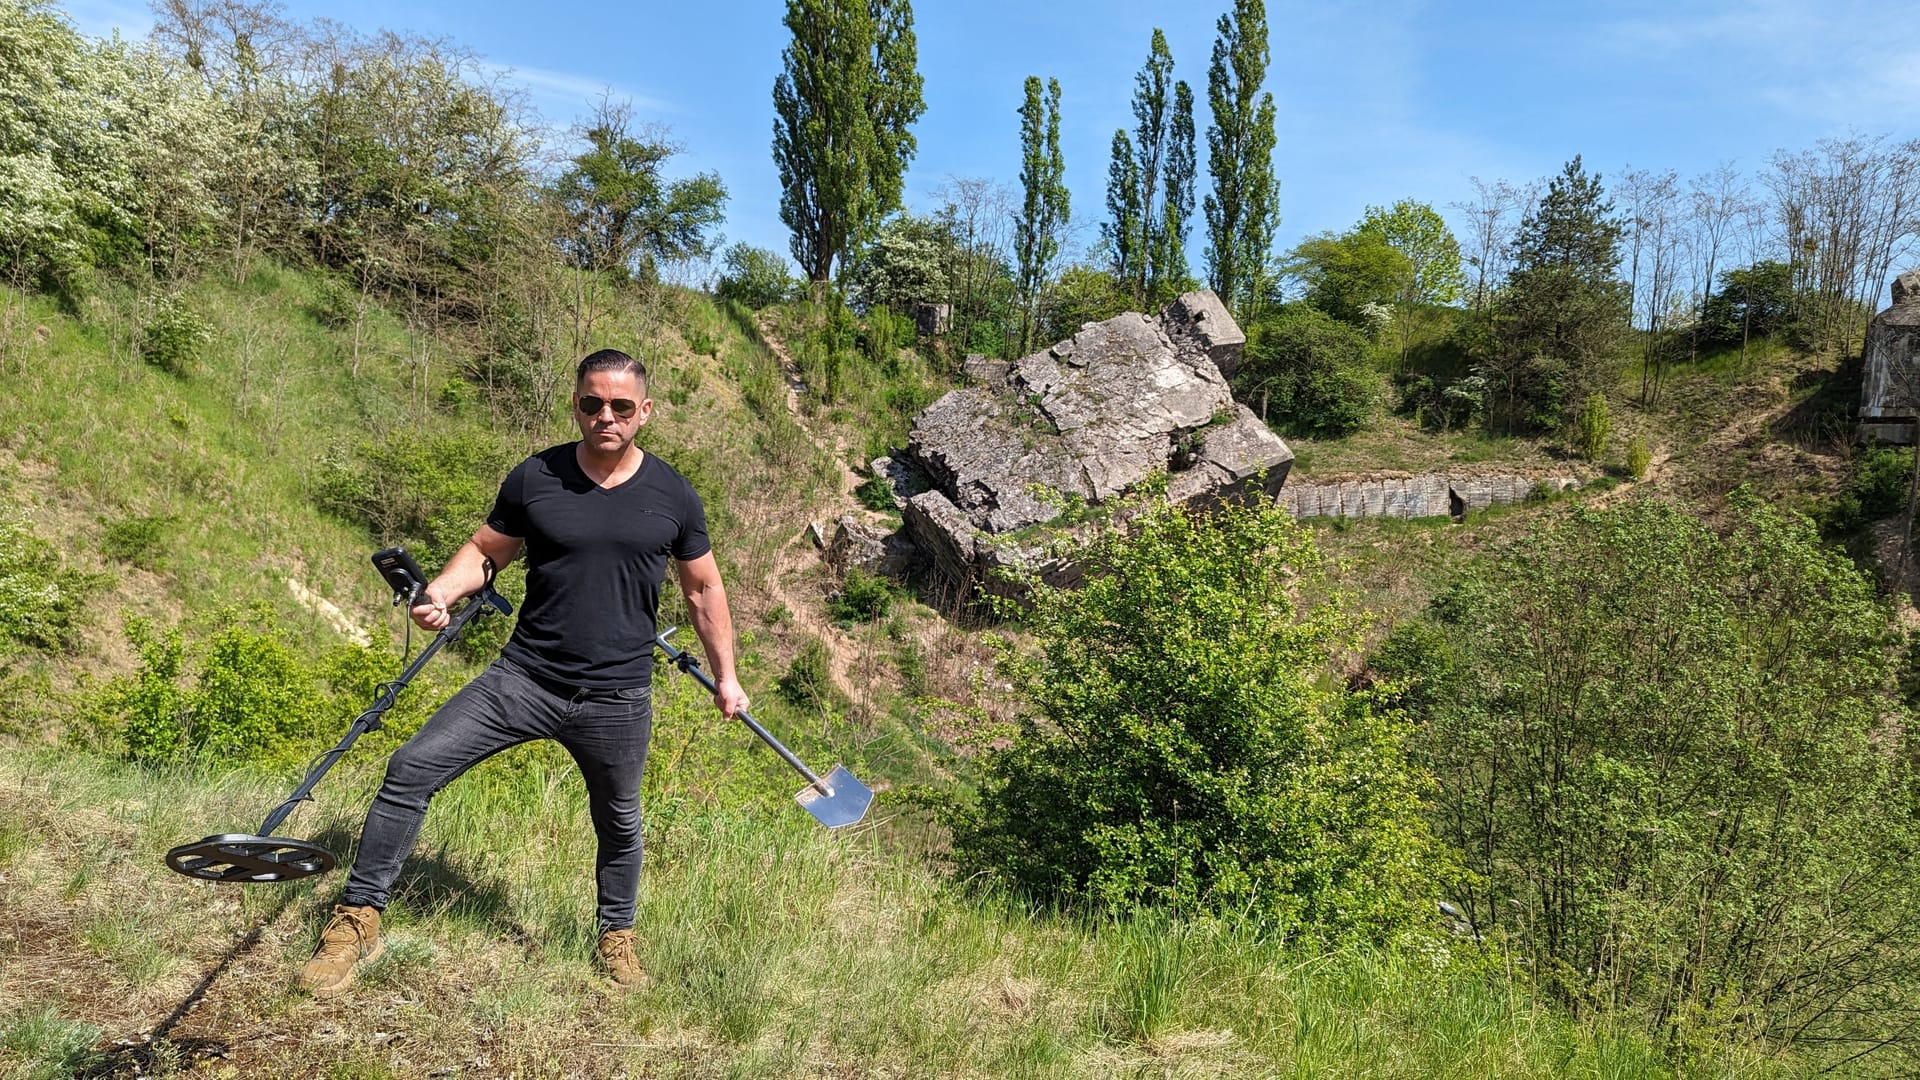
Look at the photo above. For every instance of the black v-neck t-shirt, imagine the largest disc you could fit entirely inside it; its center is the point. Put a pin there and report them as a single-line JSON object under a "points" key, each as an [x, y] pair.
{"points": [[595, 560]]}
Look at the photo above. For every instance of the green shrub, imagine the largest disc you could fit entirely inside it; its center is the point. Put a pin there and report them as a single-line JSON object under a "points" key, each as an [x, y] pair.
{"points": [[863, 598], [1670, 760], [875, 493], [135, 540], [1309, 373], [755, 277], [429, 490], [1593, 427], [1639, 458], [40, 600], [173, 335], [1186, 745], [1876, 489], [808, 681], [250, 696]]}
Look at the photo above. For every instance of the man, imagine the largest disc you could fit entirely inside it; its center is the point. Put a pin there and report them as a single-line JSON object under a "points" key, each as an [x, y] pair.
{"points": [[598, 520]]}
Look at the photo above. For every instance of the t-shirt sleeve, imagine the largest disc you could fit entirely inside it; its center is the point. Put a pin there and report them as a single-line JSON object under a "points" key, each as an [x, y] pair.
{"points": [[509, 515], [691, 542]]}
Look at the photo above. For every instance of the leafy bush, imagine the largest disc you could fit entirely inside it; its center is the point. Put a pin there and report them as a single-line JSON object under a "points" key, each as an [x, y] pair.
{"points": [[39, 598], [1593, 427], [1308, 373], [1673, 763], [808, 681], [1876, 489], [875, 493], [755, 277], [250, 697], [1639, 458], [1186, 745], [427, 490], [174, 336], [863, 598], [135, 540]]}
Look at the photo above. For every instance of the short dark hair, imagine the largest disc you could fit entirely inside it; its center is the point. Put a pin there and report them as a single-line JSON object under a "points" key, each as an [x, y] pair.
{"points": [[610, 360]]}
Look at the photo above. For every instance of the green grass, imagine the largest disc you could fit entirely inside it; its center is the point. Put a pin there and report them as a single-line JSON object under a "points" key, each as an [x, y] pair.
{"points": [[776, 950]]}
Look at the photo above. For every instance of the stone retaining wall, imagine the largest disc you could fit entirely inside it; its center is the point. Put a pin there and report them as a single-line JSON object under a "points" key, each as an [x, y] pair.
{"points": [[1430, 495]]}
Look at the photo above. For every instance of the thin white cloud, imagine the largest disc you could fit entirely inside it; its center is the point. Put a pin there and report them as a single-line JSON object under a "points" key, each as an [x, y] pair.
{"points": [[561, 96]]}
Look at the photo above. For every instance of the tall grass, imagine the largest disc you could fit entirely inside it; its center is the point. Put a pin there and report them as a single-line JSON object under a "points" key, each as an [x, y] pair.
{"points": [[776, 949]]}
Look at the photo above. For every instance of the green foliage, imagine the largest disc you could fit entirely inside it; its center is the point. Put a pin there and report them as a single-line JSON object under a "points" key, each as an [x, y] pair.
{"points": [[1081, 294], [40, 599], [46, 1047], [1346, 274], [1594, 427], [1243, 210], [862, 598], [875, 493], [1563, 313], [1306, 373], [1150, 185], [808, 681], [905, 264], [1185, 745], [1420, 236], [1671, 761], [1876, 489], [1753, 302], [1044, 210], [427, 489], [1639, 457], [848, 90], [623, 214], [250, 696], [136, 540], [174, 335], [754, 276]]}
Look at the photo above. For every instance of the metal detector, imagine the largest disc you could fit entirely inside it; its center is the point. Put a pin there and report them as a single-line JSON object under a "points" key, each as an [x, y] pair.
{"points": [[248, 857], [835, 801]]}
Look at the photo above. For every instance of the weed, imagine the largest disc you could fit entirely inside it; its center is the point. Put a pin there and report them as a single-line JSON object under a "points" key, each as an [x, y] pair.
{"points": [[135, 540], [46, 1047], [863, 598]]}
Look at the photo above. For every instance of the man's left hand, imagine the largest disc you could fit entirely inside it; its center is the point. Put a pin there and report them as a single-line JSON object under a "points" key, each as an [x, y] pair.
{"points": [[729, 697]]}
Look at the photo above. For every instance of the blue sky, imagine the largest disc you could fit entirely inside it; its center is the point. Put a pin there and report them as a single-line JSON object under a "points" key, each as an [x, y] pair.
{"points": [[1377, 100]]}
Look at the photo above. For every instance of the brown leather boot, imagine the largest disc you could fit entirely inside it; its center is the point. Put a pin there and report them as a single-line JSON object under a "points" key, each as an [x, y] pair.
{"points": [[615, 953], [352, 935]]}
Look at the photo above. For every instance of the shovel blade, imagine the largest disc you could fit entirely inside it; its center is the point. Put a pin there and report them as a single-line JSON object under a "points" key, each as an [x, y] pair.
{"points": [[844, 802]]}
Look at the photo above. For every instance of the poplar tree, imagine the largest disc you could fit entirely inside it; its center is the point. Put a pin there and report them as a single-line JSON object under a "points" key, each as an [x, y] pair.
{"points": [[1045, 210], [843, 104], [1244, 208], [1150, 183]]}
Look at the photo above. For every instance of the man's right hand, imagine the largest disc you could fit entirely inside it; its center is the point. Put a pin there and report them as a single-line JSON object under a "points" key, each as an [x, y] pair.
{"points": [[431, 612]]}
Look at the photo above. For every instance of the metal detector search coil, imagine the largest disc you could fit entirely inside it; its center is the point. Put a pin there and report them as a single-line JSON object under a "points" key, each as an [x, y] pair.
{"points": [[263, 857]]}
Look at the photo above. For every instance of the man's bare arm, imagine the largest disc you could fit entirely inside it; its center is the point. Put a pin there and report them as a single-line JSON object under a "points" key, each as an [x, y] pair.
{"points": [[463, 575], [713, 621]]}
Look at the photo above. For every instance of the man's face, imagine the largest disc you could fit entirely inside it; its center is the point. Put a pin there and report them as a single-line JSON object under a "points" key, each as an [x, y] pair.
{"points": [[610, 393]]}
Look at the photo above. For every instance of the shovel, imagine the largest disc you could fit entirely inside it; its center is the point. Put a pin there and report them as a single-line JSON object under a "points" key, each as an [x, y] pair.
{"points": [[834, 801]]}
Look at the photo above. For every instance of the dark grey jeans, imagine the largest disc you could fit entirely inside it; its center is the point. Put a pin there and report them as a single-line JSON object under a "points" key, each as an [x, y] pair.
{"points": [[606, 732]]}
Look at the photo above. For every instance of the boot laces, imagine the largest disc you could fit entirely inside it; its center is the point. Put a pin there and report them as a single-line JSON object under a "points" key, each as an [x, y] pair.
{"points": [[344, 937]]}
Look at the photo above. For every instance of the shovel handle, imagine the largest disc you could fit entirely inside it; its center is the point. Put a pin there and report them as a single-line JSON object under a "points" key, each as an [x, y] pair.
{"points": [[690, 664]]}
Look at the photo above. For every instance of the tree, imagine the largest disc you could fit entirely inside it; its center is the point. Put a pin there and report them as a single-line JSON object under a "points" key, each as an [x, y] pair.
{"points": [[1430, 257], [1186, 745], [1675, 766], [1170, 276], [1045, 210], [754, 276], [1243, 209], [1150, 184], [844, 101], [1308, 373], [1564, 310], [978, 214], [1491, 210], [1348, 275], [626, 216]]}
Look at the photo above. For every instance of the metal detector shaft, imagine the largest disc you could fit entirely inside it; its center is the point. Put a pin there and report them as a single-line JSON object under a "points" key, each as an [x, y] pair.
{"points": [[370, 719]]}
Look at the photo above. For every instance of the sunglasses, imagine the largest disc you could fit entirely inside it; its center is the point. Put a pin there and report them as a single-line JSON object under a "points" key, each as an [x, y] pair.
{"points": [[622, 407]]}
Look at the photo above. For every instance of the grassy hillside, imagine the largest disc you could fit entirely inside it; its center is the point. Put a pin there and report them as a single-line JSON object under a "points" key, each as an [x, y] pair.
{"points": [[222, 494]]}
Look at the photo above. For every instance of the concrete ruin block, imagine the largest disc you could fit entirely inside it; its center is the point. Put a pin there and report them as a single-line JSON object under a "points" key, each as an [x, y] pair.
{"points": [[857, 545], [1890, 378]]}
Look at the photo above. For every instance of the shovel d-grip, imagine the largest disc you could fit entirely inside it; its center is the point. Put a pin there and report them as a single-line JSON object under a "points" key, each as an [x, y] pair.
{"points": [[834, 800], [262, 856]]}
